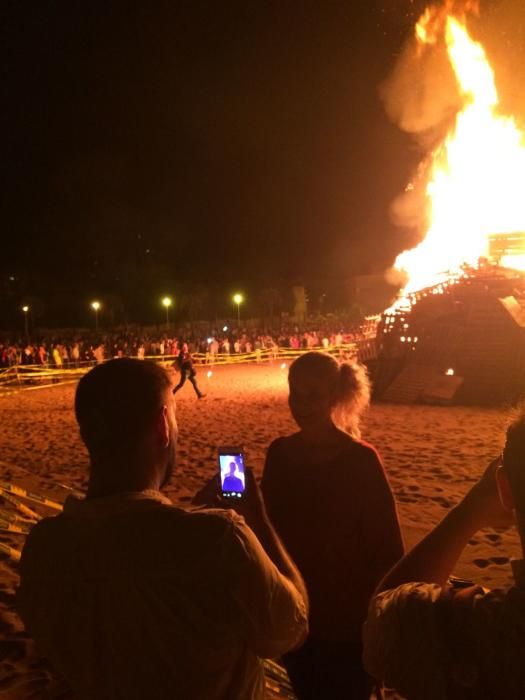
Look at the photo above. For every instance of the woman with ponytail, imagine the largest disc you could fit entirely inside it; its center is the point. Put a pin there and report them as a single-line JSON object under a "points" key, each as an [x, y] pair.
{"points": [[327, 494]]}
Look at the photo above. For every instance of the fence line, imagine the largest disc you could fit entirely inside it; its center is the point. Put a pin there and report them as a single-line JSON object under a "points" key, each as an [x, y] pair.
{"points": [[29, 377]]}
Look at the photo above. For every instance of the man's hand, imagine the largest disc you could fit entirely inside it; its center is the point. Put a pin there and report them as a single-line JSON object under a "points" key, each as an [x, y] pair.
{"points": [[483, 501], [250, 506]]}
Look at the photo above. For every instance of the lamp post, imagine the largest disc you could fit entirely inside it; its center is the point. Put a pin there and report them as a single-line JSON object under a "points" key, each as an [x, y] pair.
{"points": [[25, 309], [238, 299], [166, 303], [95, 305]]}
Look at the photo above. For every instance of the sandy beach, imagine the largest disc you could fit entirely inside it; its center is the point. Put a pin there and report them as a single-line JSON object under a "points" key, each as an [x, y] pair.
{"points": [[432, 456]]}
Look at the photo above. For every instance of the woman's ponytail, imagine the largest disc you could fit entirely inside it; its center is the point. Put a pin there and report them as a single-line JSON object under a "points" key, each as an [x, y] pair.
{"points": [[352, 397]]}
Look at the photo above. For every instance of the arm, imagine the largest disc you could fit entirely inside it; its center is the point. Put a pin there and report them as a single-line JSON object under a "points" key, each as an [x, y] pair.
{"points": [[254, 511], [379, 521], [272, 607], [433, 559]]}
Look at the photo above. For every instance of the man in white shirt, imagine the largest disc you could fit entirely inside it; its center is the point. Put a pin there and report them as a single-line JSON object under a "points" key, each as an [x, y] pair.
{"points": [[130, 597], [432, 640]]}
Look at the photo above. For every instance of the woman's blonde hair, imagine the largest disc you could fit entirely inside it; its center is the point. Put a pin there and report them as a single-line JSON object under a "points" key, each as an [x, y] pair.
{"points": [[349, 383]]}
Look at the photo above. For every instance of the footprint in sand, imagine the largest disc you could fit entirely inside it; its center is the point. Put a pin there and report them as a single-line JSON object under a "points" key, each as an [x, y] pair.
{"points": [[500, 561], [406, 499], [481, 563], [444, 502], [492, 537]]}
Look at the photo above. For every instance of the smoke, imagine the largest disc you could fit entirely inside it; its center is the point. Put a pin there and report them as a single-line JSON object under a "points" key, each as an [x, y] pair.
{"points": [[421, 95]]}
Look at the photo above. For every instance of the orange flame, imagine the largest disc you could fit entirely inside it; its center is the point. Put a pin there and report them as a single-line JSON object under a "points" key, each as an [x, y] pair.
{"points": [[477, 174]]}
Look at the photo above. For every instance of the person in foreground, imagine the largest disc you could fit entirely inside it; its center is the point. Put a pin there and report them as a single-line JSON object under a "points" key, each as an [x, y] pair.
{"points": [[430, 640], [328, 496], [130, 597]]}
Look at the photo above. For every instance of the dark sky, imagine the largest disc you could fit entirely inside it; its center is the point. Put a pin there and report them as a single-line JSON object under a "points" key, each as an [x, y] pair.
{"points": [[167, 142]]}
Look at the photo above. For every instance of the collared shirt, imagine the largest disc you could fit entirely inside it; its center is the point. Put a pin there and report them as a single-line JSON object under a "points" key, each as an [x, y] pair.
{"points": [[130, 597], [433, 643]]}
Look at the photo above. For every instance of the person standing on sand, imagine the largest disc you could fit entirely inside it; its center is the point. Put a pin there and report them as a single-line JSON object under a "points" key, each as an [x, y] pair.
{"points": [[428, 638], [184, 363], [131, 597], [328, 496]]}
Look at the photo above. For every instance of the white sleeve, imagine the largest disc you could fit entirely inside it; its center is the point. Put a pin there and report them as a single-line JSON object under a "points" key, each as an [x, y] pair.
{"points": [[273, 609], [402, 641]]}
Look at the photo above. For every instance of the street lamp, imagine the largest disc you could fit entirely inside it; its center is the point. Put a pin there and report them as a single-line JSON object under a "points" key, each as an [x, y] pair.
{"points": [[95, 305], [238, 299], [167, 302], [25, 309]]}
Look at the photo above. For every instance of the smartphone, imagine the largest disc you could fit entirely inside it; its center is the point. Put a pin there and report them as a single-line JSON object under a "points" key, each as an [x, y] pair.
{"points": [[231, 472]]}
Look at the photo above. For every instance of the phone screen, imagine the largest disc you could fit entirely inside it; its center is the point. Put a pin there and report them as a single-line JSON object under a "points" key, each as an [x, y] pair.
{"points": [[231, 466]]}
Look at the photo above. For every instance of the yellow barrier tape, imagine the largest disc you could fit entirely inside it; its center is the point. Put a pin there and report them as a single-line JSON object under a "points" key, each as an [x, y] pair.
{"points": [[12, 553], [19, 375], [36, 498], [21, 507]]}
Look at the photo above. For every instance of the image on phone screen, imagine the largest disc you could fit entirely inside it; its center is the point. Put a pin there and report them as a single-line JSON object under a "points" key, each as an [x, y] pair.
{"points": [[232, 474]]}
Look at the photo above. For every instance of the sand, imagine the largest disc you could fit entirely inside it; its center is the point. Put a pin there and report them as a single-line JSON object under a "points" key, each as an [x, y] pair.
{"points": [[432, 456]]}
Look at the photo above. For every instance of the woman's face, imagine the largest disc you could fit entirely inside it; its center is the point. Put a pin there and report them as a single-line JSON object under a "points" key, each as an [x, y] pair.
{"points": [[310, 399]]}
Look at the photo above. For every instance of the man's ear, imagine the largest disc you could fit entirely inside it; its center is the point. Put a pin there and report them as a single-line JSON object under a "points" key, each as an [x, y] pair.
{"points": [[163, 427], [504, 490]]}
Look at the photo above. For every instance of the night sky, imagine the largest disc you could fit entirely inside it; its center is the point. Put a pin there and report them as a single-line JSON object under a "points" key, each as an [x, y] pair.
{"points": [[153, 147]]}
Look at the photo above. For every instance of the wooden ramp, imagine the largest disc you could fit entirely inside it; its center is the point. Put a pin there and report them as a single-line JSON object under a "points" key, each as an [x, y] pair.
{"points": [[411, 382]]}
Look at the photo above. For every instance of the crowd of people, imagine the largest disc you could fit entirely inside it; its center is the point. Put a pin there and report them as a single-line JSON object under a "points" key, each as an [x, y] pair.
{"points": [[74, 349], [145, 599]]}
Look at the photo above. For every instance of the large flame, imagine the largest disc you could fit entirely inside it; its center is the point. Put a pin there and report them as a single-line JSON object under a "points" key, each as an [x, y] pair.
{"points": [[476, 180]]}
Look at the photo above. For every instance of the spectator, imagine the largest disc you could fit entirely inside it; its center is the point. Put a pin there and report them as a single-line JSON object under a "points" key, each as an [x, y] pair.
{"points": [[328, 496], [98, 353], [430, 639], [57, 356], [132, 598]]}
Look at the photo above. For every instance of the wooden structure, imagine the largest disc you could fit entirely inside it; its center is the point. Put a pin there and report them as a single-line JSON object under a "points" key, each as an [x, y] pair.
{"points": [[460, 342]]}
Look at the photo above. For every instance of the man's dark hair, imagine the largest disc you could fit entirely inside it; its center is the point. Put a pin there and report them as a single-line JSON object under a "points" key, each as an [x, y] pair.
{"points": [[514, 460], [117, 401]]}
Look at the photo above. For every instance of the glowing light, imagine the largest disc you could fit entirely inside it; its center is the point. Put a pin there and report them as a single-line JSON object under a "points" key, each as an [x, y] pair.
{"points": [[225, 328], [210, 340], [238, 299], [402, 339], [450, 372], [25, 309], [95, 305], [167, 302], [284, 365], [209, 373], [475, 175]]}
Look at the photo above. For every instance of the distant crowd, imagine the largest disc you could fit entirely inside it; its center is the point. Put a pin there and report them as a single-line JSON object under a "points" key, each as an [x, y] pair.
{"points": [[74, 350]]}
